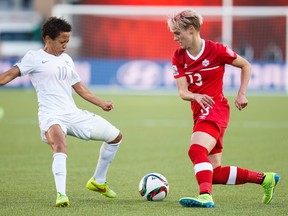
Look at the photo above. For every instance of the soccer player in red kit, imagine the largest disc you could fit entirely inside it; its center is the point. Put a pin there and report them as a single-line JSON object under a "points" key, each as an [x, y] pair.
{"points": [[199, 67]]}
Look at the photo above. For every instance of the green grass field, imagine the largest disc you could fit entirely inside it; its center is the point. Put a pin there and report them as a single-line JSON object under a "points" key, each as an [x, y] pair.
{"points": [[156, 131]]}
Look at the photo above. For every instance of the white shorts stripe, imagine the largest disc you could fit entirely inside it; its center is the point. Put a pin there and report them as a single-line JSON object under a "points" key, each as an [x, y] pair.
{"points": [[232, 175], [203, 166]]}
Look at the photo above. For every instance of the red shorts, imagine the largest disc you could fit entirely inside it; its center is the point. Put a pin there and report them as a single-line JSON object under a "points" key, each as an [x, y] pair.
{"points": [[215, 131]]}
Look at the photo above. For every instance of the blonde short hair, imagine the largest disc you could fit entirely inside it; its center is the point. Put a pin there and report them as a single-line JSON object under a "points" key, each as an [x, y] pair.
{"points": [[185, 19]]}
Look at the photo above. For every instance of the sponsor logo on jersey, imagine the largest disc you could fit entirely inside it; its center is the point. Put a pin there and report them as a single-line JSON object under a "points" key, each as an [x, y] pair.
{"points": [[175, 70], [205, 62]]}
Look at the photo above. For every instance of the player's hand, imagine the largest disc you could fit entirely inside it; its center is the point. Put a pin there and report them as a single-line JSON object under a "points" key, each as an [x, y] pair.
{"points": [[241, 102], [204, 100], [107, 106]]}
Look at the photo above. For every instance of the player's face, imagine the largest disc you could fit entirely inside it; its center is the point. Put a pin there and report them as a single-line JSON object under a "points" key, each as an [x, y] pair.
{"points": [[58, 45], [183, 37]]}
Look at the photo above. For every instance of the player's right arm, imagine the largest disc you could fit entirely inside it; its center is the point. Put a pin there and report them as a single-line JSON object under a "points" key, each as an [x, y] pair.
{"points": [[203, 99], [183, 91], [9, 75]]}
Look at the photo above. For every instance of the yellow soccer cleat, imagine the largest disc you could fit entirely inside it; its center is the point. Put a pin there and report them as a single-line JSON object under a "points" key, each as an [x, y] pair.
{"points": [[202, 201], [100, 188], [270, 181], [62, 200]]}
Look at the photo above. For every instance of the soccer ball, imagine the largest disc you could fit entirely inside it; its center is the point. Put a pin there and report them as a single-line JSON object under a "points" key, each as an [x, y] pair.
{"points": [[154, 187]]}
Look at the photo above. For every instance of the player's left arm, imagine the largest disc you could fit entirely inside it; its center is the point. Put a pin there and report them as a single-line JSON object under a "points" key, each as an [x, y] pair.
{"points": [[86, 94], [241, 101]]}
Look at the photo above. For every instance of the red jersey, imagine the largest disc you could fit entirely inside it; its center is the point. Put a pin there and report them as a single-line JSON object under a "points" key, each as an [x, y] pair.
{"points": [[204, 74]]}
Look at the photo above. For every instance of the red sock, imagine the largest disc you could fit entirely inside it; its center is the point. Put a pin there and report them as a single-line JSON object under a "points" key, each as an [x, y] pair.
{"points": [[202, 167], [235, 175]]}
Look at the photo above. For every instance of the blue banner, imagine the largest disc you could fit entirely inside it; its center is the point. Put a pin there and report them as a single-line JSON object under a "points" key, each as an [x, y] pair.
{"points": [[149, 75]]}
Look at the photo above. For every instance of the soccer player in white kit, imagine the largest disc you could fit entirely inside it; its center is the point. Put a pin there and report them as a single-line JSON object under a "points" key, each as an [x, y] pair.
{"points": [[53, 75]]}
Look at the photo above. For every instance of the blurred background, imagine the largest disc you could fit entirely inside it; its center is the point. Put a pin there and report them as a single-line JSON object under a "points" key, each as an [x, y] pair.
{"points": [[126, 45]]}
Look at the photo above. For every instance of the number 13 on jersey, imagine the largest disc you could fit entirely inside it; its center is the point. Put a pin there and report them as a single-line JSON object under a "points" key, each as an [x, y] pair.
{"points": [[197, 77]]}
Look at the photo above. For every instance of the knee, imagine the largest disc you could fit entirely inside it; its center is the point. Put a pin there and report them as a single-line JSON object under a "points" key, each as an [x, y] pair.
{"points": [[215, 161], [118, 139], [58, 147]]}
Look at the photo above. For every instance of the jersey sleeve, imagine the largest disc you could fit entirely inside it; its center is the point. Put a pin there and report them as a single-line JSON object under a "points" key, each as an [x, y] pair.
{"points": [[75, 78], [178, 70], [27, 64], [226, 55]]}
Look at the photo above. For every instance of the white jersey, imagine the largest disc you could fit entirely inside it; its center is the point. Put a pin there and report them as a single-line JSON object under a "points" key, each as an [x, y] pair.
{"points": [[52, 77]]}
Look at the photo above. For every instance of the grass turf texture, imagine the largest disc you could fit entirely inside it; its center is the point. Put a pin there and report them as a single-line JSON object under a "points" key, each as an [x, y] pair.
{"points": [[156, 133]]}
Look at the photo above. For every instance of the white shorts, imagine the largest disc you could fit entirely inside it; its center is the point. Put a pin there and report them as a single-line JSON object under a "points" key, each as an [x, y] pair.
{"points": [[82, 124]]}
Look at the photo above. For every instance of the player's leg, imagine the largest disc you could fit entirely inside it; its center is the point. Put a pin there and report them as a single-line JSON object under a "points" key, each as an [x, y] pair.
{"points": [[232, 175], [93, 127], [107, 153], [202, 144], [56, 138], [98, 181]]}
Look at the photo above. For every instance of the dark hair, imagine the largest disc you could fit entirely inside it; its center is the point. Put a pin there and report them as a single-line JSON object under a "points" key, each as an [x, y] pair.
{"points": [[54, 26]]}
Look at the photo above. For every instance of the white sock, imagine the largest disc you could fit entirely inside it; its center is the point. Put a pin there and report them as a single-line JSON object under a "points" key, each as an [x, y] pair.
{"points": [[107, 154], [59, 172]]}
